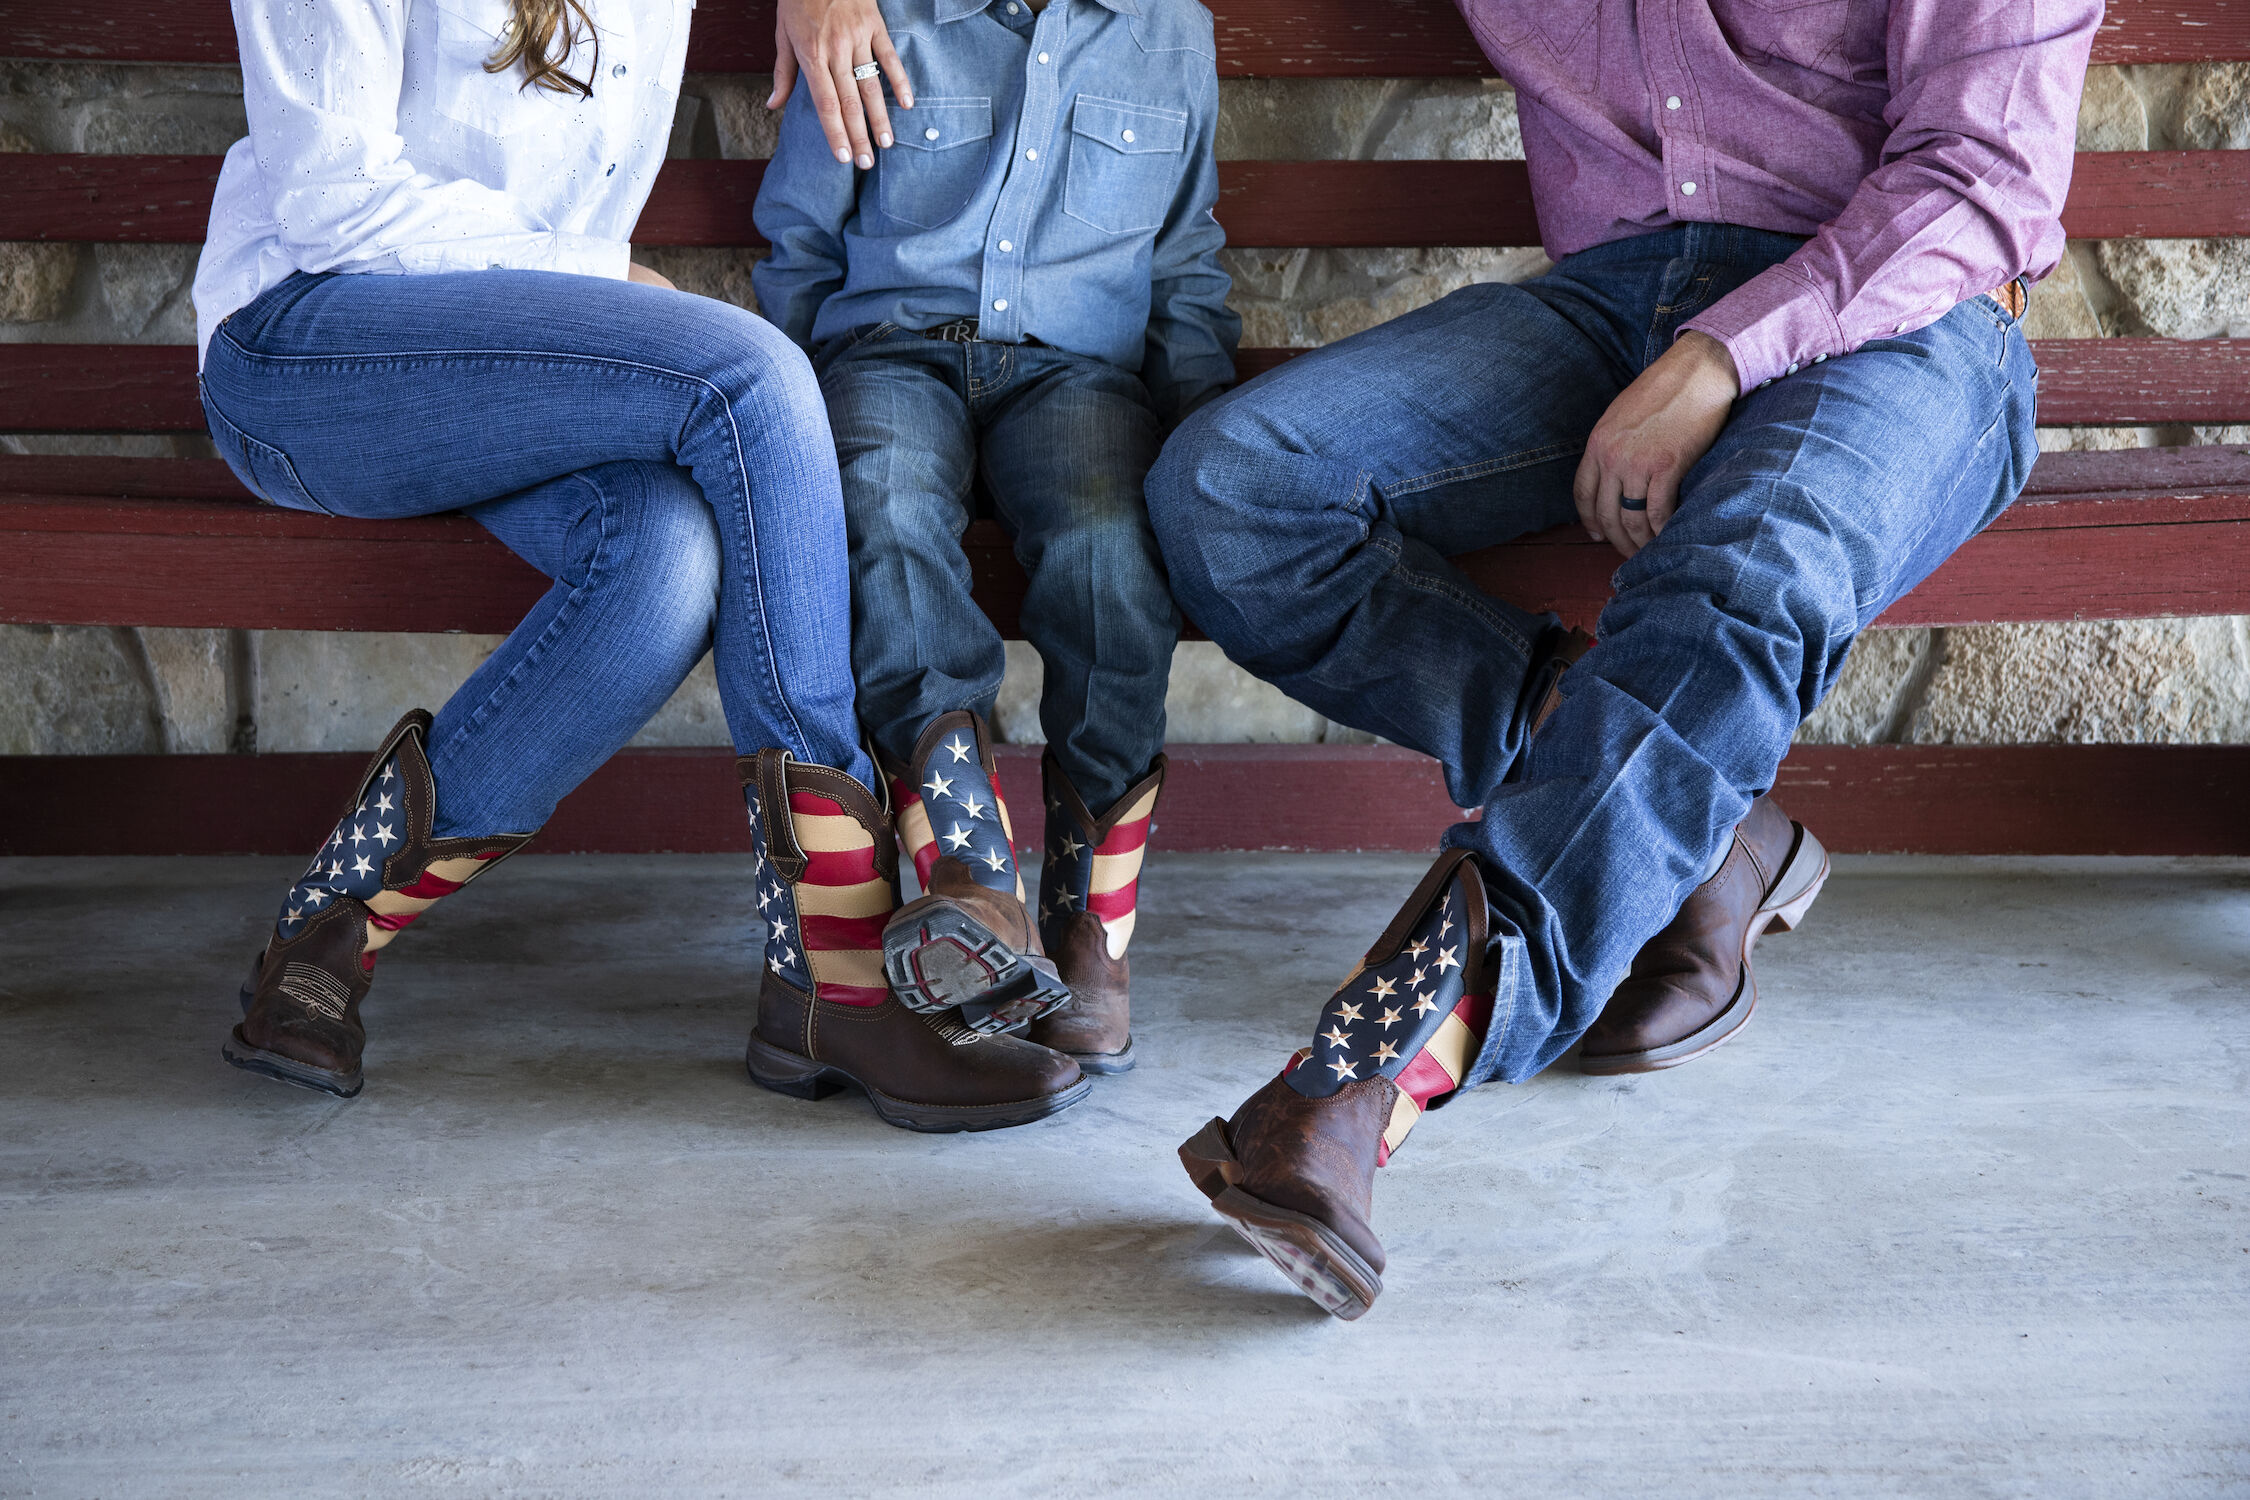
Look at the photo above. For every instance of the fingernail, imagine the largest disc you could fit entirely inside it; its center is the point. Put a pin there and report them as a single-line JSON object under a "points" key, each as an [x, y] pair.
{"points": [[844, 156], [865, 162], [885, 138]]}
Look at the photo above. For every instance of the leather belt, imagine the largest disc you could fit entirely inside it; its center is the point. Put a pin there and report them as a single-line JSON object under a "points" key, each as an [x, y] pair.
{"points": [[2012, 297]]}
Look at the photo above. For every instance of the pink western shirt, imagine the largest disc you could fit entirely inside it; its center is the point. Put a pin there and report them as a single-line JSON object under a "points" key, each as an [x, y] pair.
{"points": [[1924, 145]]}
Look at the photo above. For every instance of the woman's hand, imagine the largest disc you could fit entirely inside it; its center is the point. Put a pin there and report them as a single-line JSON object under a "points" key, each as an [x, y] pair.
{"points": [[642, 274], [827, 39], [1649, 438]]}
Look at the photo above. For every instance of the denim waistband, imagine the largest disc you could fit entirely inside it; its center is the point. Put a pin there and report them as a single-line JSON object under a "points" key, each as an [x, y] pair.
{"points": [[1720, 244]]}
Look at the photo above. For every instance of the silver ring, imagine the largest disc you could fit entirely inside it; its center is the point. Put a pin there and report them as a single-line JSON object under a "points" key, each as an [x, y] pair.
{"points": [[866, 71], [1627, 502]]}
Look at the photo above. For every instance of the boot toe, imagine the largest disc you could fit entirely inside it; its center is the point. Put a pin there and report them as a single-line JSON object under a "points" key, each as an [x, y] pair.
{"points": [[1641, 1017]]}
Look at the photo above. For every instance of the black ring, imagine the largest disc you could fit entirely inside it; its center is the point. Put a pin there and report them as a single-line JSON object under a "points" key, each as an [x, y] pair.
{"points": [[1627, 502]]}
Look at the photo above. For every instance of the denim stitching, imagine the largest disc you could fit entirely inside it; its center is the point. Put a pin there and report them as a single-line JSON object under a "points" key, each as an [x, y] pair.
{"points": [[1445, 588], [1416, 483]]}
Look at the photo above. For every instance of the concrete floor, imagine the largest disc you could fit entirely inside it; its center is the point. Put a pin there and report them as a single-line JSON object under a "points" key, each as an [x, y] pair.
{"points": [[1966, 1211]]}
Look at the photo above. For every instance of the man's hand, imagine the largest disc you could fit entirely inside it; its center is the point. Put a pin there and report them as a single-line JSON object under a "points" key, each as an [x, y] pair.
{"points": [[827, 39], [1649, 438], [635, 271]]}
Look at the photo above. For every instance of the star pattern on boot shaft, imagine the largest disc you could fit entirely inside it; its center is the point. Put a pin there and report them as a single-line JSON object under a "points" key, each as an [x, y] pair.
{"points": [[344, 866], [964, 811], [1362, 1036]]}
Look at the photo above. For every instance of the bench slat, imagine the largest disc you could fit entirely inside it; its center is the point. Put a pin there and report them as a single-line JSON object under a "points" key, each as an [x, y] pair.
{"points": [[1910, 799], [1317, 204], [2083, 382], [81, 560], [1257, 38]]}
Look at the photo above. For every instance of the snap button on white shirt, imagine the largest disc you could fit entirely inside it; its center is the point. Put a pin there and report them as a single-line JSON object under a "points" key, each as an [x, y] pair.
{"points": [[1688, 188], [618, 71]]}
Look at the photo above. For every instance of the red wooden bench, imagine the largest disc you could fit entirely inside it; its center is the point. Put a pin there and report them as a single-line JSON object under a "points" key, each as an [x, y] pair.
{"points": [[123, 541]]}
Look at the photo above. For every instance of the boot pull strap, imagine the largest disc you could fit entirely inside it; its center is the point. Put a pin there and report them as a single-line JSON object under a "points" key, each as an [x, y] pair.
{"points": [[772, 772]]}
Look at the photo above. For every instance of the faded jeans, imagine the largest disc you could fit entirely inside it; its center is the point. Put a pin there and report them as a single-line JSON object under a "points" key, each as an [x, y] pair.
{"points": [[664, 458], [1306, 519]]}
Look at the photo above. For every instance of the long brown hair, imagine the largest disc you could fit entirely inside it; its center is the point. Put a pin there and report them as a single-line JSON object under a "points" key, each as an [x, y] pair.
{"points": [[540, 37]]}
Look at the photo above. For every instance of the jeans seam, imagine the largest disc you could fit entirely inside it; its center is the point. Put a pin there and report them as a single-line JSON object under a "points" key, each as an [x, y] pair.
{"points": [[1414, 484], [1445, 588], [749, 522]]}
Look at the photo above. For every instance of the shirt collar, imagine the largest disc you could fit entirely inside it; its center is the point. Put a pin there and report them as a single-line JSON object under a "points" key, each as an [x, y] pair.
{"points": [[954, 10]]}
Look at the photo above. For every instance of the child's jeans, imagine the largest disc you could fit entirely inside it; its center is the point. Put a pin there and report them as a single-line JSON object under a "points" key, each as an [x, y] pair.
{"points": [[1058, 444]]}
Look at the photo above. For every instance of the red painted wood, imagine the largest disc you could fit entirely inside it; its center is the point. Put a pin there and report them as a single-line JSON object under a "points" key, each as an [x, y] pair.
{"points": [[1939, 799], [86, 560], [151, 388], [1257, 38], [119, 478], [167, 199]]}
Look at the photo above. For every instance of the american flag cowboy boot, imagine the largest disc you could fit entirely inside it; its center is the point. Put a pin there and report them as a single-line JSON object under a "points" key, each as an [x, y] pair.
{"points": [[1089, 893], [1294, 1171], [378, 871], [826, 868], [966, 941]]}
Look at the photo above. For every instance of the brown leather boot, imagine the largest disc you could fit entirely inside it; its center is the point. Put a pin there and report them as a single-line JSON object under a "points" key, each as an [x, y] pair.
{"points": [[1294, 1171], [1692, 987], [827, 873], [1089, 893], [378, 871], [966, 942]]}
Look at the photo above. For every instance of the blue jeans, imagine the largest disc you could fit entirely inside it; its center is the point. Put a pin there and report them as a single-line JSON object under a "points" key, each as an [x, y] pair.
{"points": [[1307, 517], [664, 458], [1061, 444]]}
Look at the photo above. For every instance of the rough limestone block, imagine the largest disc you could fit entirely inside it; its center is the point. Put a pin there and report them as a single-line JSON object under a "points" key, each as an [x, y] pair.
{"points": [[145, 291], [329, 691], [2215, 108], [35, 278], [720, 273], [1860, 708], [75, 690], [2183, 289], [189, 672], [741, 126], [2111, 116], [692, 716], [2170, 681]]}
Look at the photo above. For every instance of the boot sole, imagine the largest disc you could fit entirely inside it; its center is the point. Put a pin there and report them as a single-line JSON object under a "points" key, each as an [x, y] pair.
{"points": [[937, 957], [1802, 876], [1314, 1257], [288, 1070], [802, 1078], [1104, 1064]]}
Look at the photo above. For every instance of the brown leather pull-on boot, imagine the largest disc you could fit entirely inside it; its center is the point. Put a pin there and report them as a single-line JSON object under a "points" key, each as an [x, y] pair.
{"points": [[966, 942], [1691, 986], [1294, 1171], [1089, 894], [379, 870], [827, 875]]}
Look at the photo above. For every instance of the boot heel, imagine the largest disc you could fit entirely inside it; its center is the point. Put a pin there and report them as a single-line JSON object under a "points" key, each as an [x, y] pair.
{"points": [[1209, 1161], [1801, 880], [787, 1073]]}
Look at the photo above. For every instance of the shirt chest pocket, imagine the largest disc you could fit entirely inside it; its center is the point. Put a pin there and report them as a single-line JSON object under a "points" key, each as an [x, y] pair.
{"points": [[929, 176], [464, 36], [1125, 162]]}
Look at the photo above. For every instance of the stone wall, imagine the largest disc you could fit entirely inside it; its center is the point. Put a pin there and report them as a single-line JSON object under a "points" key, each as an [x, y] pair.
{"points": [[73, 689]]}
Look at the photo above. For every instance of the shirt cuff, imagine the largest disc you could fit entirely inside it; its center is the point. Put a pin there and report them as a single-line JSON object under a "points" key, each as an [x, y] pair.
{"points": [[1772, 324], [590, 255]]}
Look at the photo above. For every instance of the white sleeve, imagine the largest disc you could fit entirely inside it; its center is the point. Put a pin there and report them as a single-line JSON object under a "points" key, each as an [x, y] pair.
{"points": [[321, 83]]}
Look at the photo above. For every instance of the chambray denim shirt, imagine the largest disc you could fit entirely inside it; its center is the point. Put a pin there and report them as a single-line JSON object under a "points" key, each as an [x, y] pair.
{"points": [[1054, 181]]}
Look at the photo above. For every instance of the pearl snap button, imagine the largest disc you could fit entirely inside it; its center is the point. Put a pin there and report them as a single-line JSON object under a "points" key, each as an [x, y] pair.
{"points": [[1688, 188], [1031, 156], [1000, 304], [1006, 246], [1673, 102], [1128, 135], [618, 71], [1042, 57], [930, 134]]}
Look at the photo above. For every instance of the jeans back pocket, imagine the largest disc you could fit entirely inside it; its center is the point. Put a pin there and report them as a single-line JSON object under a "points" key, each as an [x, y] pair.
{"points": [[265, 469], [1125, 162], [928, 177]]}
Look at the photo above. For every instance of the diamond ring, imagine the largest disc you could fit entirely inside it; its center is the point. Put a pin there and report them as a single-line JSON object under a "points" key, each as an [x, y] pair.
{"points": [[866, 70]]}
